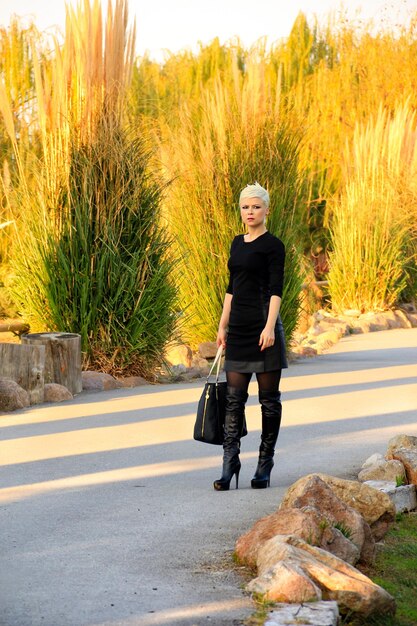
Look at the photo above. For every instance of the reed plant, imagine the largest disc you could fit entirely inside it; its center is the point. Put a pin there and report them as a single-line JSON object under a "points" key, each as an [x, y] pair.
{"points": [[373, 229], [230, 139], [91, 254]]}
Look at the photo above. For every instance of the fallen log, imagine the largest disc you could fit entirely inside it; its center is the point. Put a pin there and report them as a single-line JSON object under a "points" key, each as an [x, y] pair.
{"points": [[17, 328]]}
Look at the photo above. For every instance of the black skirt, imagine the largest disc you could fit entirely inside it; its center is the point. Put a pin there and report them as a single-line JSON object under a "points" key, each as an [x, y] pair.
{"points": [[243, 353]]}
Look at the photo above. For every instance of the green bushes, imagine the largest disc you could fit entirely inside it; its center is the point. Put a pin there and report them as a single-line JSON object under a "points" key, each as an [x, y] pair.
{"points": [[98, 264]]}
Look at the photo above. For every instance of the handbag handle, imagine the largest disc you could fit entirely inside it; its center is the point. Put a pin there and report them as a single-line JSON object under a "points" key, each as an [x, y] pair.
{"points": [[217, 362]]}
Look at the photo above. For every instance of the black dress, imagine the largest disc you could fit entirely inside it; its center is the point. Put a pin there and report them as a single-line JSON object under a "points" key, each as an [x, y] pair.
{"points": [[256, 273]]}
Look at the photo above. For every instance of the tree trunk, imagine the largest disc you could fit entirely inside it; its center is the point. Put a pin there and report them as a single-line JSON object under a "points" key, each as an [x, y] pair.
{"points": [[25, 365], [62, 358]]}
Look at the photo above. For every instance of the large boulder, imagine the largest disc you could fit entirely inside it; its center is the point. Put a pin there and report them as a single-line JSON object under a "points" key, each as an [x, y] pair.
{"points": [[56, 393], [404, 448], [301, 523], [313, 491], [12, 396], [383, 470], [375, 507], [336, 579]]}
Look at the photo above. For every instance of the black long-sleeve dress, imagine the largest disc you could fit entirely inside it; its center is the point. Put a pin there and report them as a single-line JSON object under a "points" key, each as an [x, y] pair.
{"points": [[256, 273]]}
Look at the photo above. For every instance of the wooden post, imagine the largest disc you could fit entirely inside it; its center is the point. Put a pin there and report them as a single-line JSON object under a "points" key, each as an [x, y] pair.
{"points": [[24, 365], [62, 358]]}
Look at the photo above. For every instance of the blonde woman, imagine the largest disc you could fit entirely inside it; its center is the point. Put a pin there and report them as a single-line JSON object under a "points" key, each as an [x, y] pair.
{"points": [[251, 332]]}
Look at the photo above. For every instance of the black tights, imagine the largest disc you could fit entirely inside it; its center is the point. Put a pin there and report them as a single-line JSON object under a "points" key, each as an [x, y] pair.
{"points": [[267, 381]]}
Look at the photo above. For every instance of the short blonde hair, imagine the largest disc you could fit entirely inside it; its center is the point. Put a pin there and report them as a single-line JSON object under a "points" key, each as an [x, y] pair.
{"points": [[255, 191]]}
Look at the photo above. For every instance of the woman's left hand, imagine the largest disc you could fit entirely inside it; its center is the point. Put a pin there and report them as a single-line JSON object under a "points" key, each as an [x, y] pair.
{"points": [[267, 338]]}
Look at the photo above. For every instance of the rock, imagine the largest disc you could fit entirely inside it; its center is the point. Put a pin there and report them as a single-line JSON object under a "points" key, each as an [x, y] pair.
{"points": [[192, 374], [360, 326], [285, 582], [12, 396], [179, 355], [56, 393], [202, 365], [404, 448], [412, 318], [301, 523], [321, 613], [326, 340], [377, 321], [99, 381], [374, 458], [392, 320], [401, 441], [337, 580], [383, 470], [334, 541], [408, 457], [312, 491], [305, 351], [133, 381], [336, 325], [402, 319], [376, 508], [403, 497], [177, 370], [207, 349]]}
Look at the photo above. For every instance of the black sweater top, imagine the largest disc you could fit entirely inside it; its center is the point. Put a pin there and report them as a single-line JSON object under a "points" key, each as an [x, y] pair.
{"points": [[256, 265]]}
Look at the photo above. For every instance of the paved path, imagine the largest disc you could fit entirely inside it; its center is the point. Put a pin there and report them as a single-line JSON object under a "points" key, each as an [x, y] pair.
{"points": [[107, 511]]}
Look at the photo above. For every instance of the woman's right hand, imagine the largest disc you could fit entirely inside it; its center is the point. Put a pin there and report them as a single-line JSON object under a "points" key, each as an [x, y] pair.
{"points": [[221, 338]]}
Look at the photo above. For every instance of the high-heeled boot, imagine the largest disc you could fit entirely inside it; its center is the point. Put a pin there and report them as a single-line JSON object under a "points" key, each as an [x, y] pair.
{"points": [[235, 411], [271, 409]]}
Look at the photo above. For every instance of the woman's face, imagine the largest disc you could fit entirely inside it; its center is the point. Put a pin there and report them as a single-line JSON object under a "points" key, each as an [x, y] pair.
{"points": [[253, 211]]}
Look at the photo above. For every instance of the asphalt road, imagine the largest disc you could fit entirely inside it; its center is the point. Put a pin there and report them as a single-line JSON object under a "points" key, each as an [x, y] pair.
{"points": [[107, 511]]}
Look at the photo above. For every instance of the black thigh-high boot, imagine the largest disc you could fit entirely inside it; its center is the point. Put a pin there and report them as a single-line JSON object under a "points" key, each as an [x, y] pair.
{"points": [[235, 411], [271, 420]]}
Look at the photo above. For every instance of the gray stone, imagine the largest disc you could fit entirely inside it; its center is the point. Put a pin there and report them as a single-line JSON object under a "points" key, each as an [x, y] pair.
{"points": [[12, 396], [404, 497], [99, 381], [321, 613], [56, 393]]}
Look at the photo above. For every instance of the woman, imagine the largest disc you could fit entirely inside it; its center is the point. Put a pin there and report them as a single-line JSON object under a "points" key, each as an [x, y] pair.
{"points": [[251, 331]]}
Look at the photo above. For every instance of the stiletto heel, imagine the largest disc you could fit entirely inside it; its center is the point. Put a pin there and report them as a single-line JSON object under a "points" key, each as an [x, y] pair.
{"points": [[262, 478], [233, 425], [271, 419], [223, 484]]}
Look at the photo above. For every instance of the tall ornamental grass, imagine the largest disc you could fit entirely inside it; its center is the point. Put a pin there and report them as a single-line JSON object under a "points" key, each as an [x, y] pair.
{"points": [[373, 230], [91, 256], [232, 138]]}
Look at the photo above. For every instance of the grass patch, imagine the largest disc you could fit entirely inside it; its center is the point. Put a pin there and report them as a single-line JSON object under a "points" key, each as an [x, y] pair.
{"points": [[395, 570]]}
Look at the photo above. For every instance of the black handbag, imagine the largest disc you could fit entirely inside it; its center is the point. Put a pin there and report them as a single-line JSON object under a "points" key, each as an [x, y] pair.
{"points": [[209, 423]]}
